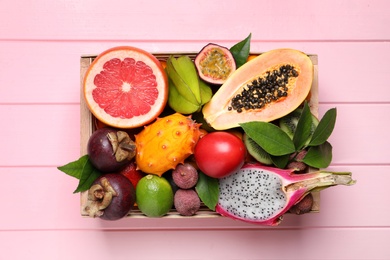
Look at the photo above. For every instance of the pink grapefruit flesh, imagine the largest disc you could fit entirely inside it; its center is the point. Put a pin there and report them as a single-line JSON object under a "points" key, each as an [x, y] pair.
{"points": [[126, 87]]}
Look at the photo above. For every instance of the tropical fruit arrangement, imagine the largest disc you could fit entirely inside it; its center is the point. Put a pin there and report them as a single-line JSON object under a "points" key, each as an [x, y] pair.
{"points": [[225, 129]]}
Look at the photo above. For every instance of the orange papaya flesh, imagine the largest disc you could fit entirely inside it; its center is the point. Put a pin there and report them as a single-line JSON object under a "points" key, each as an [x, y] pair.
{"points": [[274, 84]]}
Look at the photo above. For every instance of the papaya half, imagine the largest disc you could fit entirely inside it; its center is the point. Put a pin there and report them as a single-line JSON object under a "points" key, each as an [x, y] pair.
{"points": [[265, 88]]}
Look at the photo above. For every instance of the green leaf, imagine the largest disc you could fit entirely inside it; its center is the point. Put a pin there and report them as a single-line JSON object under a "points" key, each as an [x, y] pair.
{"points": [[319, 156], [74, 168], [325, 128], [83, 170], [241, 51], [270, 137], [208, 190], [303, 129], [280, 161]]}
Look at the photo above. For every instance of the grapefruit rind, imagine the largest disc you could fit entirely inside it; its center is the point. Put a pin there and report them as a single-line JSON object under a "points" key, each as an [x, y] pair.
{"points": [[137, 54]]}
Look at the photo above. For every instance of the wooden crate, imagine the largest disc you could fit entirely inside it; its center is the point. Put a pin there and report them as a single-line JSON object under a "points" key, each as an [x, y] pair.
{"points": [[87, 127]]}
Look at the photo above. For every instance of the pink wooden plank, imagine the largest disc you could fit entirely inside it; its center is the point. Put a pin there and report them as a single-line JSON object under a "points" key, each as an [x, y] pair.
{"points": [[268, 20], [47, 135], [360, 134], [48, 72], [39, 134], [40, 45], [305, 244], [41, 198]]}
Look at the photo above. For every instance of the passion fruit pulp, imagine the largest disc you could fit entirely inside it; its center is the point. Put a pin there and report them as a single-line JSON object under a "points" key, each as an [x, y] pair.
{"points": [[215, 63]]}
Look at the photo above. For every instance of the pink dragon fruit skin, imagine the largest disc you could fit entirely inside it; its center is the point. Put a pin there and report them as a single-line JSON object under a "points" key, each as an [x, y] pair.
{"points": [[261, 195]]}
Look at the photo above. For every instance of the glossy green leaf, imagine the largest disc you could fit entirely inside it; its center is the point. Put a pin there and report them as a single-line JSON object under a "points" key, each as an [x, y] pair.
{"points": [[208, 190], [280, 161], [241, 51], [270, 137], [325, 128], [303, 130], [83, 170], [319, 156]]}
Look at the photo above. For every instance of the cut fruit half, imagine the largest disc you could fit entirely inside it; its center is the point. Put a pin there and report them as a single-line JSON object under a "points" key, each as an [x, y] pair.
{"points": [[126, 87], [265, 88]]}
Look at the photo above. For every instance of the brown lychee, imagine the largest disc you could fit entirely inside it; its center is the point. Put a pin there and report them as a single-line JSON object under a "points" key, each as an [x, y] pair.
{"points": [[303, 206], [297, 166], [299, 157], [186, 202], [185, 176], [296, 162]]}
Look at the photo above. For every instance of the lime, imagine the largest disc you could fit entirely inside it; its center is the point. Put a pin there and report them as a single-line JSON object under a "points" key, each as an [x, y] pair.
{"points": [[154, 196]]}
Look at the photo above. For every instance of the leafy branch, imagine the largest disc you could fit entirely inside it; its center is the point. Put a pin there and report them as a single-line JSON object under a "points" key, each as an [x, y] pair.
{"points": [[277, 143]]}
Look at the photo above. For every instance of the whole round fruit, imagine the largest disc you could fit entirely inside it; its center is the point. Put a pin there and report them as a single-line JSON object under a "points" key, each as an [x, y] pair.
{"points": [[108, 151], [111, 197], [187, 202], [219, 154], [126, 87], [185, 176], [154, 196]]}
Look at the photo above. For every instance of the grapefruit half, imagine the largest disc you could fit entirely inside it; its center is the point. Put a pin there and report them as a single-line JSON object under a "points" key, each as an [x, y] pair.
{"points": [[126, 87]]}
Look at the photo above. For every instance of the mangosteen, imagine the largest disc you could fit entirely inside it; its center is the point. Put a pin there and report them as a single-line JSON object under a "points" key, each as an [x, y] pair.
{"points": [[111, 197], [109, 149]]}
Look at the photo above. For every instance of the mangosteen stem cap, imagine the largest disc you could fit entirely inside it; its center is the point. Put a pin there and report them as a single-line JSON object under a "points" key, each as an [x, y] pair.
{"points": [[99, 197]]}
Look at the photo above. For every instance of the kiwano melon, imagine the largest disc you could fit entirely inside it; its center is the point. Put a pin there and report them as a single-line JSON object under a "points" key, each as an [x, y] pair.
{"points": [[265, 88]]}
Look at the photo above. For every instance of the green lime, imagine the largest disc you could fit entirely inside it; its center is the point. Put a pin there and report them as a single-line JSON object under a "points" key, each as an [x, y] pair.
{"points": [[154, 196]]}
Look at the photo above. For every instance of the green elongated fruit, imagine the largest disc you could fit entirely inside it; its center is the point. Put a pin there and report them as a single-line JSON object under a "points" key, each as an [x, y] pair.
{"points": [[205, 92], [187, 93], [181, 86], [187, 71], [178, 103]]}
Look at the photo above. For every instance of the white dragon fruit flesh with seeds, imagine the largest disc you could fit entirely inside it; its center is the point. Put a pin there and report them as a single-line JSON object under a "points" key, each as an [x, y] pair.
{"points": [[261, 195]]}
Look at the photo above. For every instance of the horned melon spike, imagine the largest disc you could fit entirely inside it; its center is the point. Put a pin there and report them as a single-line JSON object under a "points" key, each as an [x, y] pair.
{"points": [[167, 142]]}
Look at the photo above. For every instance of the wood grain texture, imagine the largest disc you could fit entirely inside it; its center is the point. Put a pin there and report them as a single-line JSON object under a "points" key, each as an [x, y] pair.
{"points": [[329, 244], [54, 130], [196, 20], [41, 43], [343, 68], [57, 208]]}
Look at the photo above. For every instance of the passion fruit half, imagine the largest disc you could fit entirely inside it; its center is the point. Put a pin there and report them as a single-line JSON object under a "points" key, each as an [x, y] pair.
{"points": [[215, 63]]}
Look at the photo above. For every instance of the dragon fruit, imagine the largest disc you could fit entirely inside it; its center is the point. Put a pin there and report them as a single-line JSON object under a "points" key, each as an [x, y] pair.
{"points": [[261, 195], [165, 143]]}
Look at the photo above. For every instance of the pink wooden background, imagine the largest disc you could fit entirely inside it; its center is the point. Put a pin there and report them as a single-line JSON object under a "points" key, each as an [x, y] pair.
{"points": [[41, 42]]}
